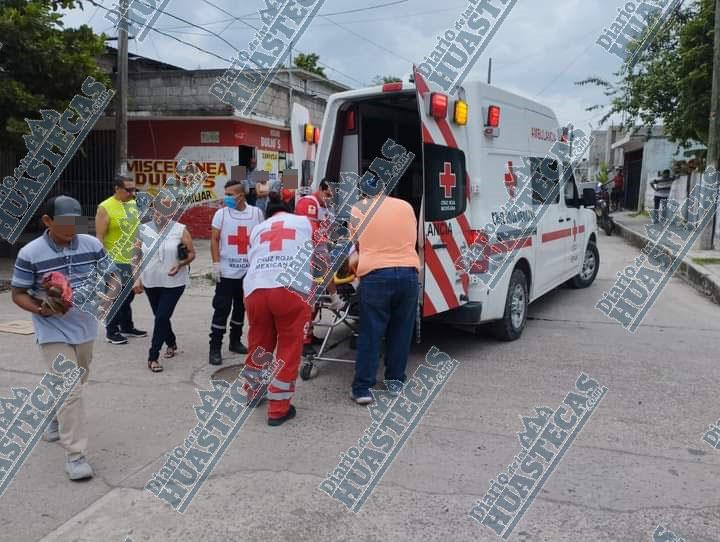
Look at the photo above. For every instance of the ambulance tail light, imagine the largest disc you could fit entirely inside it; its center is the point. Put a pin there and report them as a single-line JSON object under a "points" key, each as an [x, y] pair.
{"points": [[316, 135], [350, 121], [395, 86], [493, 117], [438, 105], [460, 115], [309, 133]]}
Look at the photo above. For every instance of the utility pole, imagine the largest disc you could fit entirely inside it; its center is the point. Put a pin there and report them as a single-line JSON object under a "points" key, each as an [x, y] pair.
{"points": [[122, 91], [713, 152], [290, 90]]}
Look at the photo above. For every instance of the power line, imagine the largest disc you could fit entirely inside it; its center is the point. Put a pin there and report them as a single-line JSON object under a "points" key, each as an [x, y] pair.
{"points": [[346, 29], [248, 16], [208, 2]]}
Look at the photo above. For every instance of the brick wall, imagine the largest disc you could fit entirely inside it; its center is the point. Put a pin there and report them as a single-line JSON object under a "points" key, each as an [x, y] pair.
{"points": [[197, 219]]}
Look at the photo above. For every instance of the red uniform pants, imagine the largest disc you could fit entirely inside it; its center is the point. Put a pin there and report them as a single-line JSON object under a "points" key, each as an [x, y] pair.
{"points": [[277, 319]]}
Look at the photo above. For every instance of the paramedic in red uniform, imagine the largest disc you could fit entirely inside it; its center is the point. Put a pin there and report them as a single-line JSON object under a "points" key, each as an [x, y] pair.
{"points": [[231, 227], [387, 264], [314, 207], [276, 316]]}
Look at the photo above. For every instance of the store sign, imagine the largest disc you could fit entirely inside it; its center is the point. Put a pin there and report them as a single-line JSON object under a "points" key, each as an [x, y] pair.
{"points": [[270, 142], [209, 137], [269, 161]]}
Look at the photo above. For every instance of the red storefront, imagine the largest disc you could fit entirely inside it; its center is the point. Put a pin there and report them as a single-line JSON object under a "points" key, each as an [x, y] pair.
{"points": [[215, 143]]}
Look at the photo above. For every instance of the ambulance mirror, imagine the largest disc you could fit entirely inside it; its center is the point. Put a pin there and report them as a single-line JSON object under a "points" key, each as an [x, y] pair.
{"points": [[588, 197]]}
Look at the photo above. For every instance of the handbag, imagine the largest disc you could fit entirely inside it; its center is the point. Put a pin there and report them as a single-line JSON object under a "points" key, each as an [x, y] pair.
{"points": [[182, 252]]}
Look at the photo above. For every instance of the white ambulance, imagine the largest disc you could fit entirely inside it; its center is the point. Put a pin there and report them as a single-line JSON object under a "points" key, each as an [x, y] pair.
{"points": [[461, 177]]}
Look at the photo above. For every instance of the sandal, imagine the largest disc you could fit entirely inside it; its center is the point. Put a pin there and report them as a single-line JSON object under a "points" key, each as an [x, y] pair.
{"points": [[155, 366], [170, 352]]}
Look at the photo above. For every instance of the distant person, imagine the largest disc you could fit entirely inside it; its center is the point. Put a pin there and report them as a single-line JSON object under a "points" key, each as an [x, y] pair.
{"points": [[662, 188], [388, 266], [71, 333], [618, 189], [164, 279], [231, 227], [116, 224]]}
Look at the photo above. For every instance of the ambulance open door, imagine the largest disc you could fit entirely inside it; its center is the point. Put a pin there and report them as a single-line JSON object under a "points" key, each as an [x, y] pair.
{"points": [[444, 224], [304, 137]]}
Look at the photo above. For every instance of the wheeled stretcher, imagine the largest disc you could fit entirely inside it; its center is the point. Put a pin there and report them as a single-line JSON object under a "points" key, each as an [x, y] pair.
{"points": [[340, 326]]}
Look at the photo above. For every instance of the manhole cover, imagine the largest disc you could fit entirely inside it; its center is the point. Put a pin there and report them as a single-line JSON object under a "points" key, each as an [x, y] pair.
{"points": [[229, 374]]}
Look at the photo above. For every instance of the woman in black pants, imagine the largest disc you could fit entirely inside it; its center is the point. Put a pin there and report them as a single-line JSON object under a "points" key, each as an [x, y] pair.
{"points": [[164, 279]]}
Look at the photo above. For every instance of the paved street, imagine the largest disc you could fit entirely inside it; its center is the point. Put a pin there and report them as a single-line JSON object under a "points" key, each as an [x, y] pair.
{"points": [[639, 461]]}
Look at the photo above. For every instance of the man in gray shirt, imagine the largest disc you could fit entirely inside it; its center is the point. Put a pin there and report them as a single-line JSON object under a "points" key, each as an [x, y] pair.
{"points": [[661, 187], [72, 333]]}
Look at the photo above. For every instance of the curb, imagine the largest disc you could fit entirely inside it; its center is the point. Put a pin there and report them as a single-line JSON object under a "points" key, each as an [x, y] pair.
{"points": [[689, 271]]}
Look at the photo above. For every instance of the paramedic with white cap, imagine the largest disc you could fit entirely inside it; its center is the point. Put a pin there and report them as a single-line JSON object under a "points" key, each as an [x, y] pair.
{"points": [[276, 315]]}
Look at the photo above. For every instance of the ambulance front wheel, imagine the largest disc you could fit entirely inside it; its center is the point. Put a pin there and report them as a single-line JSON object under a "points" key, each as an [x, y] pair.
{"points": [[516, 307], [590, 266]]}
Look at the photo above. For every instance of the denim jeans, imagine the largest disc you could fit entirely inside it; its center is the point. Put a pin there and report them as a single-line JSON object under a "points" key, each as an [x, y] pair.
{"points": [[122, 321], [388, 307], [163, 302]]}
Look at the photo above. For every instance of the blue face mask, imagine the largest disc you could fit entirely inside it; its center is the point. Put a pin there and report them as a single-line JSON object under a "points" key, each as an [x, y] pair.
{"points": [[229, 201]]}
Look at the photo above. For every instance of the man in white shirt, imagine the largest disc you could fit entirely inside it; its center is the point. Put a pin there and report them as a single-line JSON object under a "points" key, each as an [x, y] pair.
{"points": [[231, 227]]}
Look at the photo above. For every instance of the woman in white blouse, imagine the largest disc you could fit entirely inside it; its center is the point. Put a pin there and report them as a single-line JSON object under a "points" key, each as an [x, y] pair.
{"points": [[164, 279]]}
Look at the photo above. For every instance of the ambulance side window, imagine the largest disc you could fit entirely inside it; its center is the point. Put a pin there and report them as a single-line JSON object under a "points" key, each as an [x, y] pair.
{"points": [[445, 182], [571, 193], [544, 183]]}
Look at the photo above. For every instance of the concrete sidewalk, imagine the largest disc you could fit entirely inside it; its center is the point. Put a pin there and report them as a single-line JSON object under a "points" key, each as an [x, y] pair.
{"points": [[699, 268]]}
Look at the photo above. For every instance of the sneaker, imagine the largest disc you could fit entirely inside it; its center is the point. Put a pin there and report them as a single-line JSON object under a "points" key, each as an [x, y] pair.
{"points": [[362, 399], [237, 347], [78, 469], [116, 338], [279, 421], [215, 357], [52, 433], [134, 333]]}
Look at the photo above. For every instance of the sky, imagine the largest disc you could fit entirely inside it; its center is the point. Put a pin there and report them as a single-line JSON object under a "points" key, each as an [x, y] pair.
{"points": [[540, 50]]}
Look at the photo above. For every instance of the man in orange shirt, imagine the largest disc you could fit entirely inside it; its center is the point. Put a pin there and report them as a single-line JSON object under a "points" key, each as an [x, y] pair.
{"points": [[387, 264]]}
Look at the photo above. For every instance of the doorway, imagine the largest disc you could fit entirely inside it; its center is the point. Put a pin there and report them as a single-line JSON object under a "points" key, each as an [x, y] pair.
{"points": [[633, 170]]}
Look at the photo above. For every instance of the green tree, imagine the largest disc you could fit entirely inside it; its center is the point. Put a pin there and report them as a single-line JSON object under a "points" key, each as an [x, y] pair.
{"points": [[602, 174], [42, 63], [383, 79], [309, 63], [671, 81]]}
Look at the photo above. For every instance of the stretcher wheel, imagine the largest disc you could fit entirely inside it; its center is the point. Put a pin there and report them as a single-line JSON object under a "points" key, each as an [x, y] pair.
{"points": [[306, 370]]}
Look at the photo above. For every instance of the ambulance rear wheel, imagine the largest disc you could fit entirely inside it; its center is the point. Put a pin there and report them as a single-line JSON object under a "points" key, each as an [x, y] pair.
{"points": [[516, 307]]}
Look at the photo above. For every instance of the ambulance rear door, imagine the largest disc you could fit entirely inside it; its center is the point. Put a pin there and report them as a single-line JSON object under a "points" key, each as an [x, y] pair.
{"points": [[446, 191]]}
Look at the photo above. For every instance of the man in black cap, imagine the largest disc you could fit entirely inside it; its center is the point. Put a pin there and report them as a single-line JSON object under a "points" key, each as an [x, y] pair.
{"points": [[61, 329]]}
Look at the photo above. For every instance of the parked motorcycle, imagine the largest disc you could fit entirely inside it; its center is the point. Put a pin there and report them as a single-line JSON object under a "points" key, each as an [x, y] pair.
{"points": [[602, 210]]}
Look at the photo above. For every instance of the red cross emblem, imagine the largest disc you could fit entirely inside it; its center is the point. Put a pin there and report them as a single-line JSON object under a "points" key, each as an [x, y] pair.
{"points": [[276, 235], [510, 180], [240, 240], [447, 179]]}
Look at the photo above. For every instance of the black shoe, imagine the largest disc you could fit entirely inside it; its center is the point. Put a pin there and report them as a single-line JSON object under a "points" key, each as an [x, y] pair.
{"points": [[116, 338], [134, 333], [215, 357], [238, 347], [279, 421]]}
